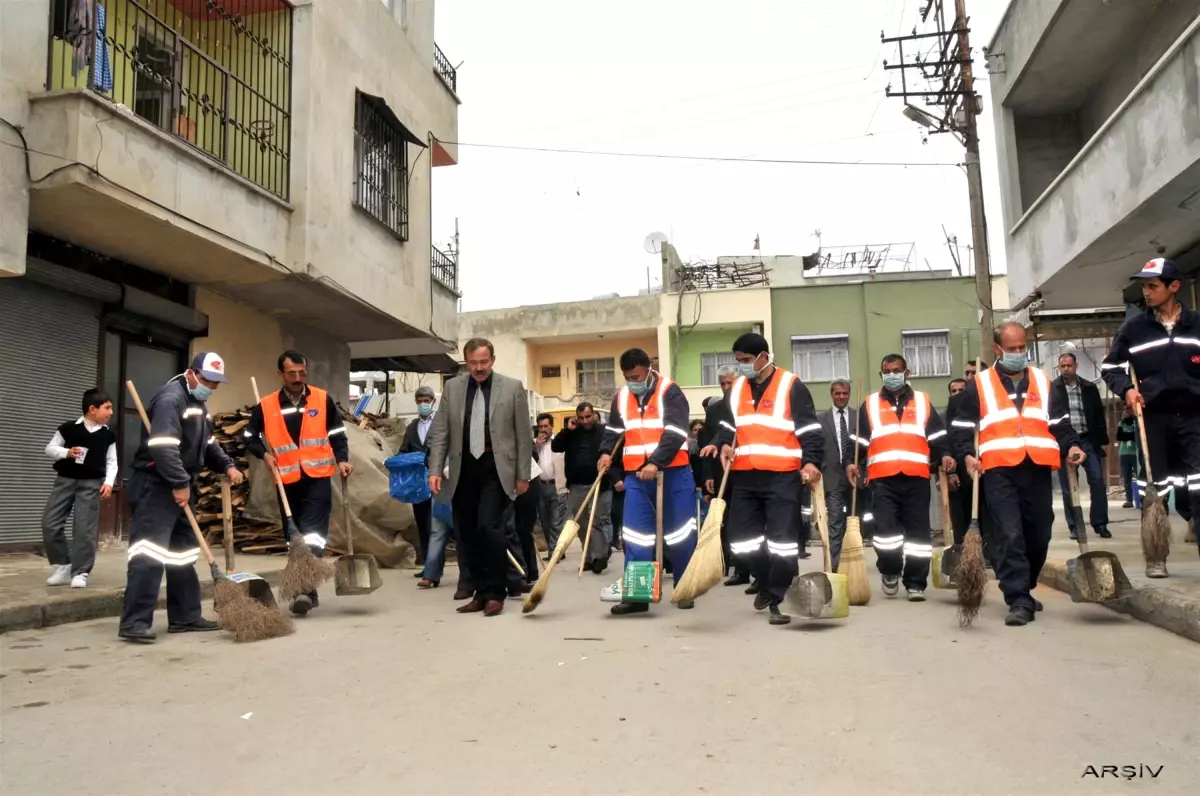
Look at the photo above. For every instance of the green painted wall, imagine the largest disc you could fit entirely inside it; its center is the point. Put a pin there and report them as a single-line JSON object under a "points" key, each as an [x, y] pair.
{"points": [[874, 314], [701, 341]]}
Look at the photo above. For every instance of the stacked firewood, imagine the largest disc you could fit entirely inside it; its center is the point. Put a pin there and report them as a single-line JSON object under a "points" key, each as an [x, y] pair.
{"points": [[249, 536]]}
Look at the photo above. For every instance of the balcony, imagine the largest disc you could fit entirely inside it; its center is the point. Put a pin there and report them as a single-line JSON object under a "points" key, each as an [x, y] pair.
{"points": [[214, 74], [444, 268], [441, 65]]}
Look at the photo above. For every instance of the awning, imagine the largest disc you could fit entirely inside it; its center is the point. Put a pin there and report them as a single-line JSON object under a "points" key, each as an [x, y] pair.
{"points": [[380, 106]]}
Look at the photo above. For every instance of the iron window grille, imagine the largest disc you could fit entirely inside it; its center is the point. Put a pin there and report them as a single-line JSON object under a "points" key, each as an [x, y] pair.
{"points": [[381, 156]]}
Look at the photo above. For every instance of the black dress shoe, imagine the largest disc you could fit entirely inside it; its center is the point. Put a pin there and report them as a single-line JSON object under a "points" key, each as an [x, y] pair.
{"points": [[761, 600], [1103, 532], [599, 565], [1018, 616], [753, 588], [777, 618], [302, 605], [463, 594], [1037, 605], [737, 580], [199, 626], [141, 635], [804, 554], [623, 609]]}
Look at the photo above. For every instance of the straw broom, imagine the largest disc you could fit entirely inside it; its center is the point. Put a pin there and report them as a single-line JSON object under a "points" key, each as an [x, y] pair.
{"points": [[304, 572], [1156, 527], [565, 538], [707, 566], [971, 575], [851, 563], [240, 614]]}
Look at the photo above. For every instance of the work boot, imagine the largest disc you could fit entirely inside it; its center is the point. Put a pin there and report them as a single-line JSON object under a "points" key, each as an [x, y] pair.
{"points": [[737, 579], [775, 617], [753, 588], [201, 625], [302, 605], [1103, 532], [916, 595], [599, 565], [1157, 570], [891, 585], [761, 600], [141, 635], [687, 605], [1018, 616], [629, 608]]}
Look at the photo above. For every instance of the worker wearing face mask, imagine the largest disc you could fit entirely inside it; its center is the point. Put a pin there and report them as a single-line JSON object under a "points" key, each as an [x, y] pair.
{"points": [[653, 413], [904, 433], [1023, 426], [775, 437], [169, 457]]}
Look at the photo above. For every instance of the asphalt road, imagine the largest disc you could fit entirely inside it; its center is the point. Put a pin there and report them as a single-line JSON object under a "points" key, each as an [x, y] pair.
{"points": [[395, 693]]}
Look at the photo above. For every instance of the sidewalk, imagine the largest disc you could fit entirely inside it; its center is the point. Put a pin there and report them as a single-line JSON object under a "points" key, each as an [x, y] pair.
{"points": [[1171, 603], [26, 602]]}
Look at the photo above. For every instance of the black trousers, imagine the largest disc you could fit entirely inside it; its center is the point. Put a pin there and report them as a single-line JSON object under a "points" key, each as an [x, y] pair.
{"points": [[423, 515], [481, 512], [804, 516], [741, 567], [311, 500], [763, 527], [160, 537], [960, 512], [903, 538], [1020, 501], [1174, 441], [525, 514]]}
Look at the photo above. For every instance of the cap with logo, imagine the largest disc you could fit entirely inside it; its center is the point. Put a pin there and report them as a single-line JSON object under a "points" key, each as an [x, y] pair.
{"points": [[1159, 268], [210, 365]]}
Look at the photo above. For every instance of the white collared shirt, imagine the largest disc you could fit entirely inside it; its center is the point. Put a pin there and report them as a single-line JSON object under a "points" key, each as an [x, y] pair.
{"points": [[546, 461], [57, 450], [423, 424]]}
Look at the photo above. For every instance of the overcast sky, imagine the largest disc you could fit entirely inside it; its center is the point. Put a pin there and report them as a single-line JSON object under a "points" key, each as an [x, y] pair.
{"points": [[762, 78]]}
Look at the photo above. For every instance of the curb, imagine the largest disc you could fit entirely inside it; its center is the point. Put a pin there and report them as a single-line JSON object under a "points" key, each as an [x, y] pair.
{"points": [[97, 605], [1160, 606]]}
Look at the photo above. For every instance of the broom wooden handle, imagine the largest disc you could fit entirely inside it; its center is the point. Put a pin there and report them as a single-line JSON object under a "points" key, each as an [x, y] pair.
{"points": [[1073, 483], [854, 486], [1137, 410], [287, 507], [947, 526], [187, 508], [819, 517], [977, 477], [658, 525], [227, 522]]}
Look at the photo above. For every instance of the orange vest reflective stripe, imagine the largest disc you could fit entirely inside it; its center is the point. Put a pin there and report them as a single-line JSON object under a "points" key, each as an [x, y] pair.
{"points": [[766, 435], [644, 428], [313, 454], [898, 444], [1007, 436]]}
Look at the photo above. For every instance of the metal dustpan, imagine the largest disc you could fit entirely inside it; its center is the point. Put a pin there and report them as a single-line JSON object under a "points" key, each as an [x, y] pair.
{"points": [[945, 561], [355, 574], [820, 595], [1093, 577], [253, 585]]}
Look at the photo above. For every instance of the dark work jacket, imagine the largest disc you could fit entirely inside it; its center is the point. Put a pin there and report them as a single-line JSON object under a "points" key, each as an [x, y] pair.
{"points": [[1093, 411], [1167, 364], [581, 452]]}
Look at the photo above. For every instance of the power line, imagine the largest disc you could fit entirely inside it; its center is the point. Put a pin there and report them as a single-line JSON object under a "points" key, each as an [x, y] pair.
{"points": [[711, 158]]}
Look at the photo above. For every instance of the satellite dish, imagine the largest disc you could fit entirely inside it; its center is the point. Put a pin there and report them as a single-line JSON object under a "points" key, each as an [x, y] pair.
{"points": [[654, 242]]}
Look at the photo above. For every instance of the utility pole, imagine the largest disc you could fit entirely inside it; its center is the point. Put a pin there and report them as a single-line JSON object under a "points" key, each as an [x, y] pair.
{"points": [[946, 68]]}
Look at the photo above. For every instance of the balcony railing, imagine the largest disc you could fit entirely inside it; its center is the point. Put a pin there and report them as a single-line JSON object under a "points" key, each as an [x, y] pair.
{"points": [[216, 74], [441, 65], [444, 267]]}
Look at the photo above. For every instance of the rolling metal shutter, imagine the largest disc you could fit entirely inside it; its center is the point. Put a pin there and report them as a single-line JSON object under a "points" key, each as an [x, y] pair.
{"points": [[49, 343]]}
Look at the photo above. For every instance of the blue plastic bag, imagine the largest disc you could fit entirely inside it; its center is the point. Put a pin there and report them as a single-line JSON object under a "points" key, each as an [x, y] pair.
{"points": [[408, 478]]}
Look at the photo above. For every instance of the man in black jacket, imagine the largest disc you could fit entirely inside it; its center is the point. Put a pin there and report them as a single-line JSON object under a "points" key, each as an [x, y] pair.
{"points": [[581, 448], [414, 442], [1162, 346], [1087, 418], [715, 413]]}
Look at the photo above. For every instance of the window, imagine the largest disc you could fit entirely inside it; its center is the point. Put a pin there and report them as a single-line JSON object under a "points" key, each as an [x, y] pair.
{"points": [[551, 371], [821, 357], [381, 156], [711, 363], [927, 352], [594, 376]]}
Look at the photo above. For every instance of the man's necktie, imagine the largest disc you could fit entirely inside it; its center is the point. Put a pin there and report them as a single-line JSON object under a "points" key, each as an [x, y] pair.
{"points": [[478, 418], [844, 432]]}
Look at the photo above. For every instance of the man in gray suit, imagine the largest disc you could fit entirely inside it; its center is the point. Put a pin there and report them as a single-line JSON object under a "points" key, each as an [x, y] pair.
{"points": [[839, 424], [483, 431]]}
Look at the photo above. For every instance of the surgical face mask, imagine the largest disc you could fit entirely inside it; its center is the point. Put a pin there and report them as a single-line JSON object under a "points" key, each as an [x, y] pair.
{"points": [[201, 392], [1014, 362], [893, 381], [424, 410], [751, 372], [638, 387]]}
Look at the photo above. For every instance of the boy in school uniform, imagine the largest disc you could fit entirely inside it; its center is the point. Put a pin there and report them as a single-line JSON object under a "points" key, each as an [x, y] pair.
{"points": [[85, 457]]}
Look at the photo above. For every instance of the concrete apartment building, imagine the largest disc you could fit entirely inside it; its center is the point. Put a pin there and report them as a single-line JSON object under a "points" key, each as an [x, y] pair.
{"points": [[1097, 120], [240, 175]]}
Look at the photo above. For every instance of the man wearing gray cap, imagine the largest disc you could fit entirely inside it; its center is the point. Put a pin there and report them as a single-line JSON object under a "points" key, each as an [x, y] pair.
{"points": [[414, 442]]}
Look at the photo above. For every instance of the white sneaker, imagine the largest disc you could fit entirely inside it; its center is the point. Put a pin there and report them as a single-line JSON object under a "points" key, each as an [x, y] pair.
{"points": [[61, 576], [79, 581], [611, 593]]}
